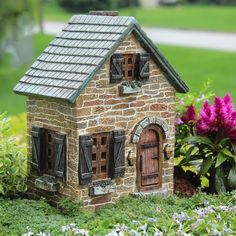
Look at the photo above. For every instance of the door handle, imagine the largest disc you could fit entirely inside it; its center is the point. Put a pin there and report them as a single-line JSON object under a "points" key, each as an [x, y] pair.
{"points": [[141, 163]]}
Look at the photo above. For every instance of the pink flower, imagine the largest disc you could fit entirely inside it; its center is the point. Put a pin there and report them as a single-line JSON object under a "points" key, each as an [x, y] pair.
{"points": [[219, 117], [189, 115]]}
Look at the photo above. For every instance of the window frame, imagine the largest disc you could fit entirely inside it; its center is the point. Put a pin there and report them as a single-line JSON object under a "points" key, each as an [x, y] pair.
{"points": [[129, 66], [98, 160]]}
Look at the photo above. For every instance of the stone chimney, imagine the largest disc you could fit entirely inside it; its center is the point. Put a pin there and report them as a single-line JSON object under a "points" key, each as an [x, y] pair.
{"points": [[104, 13]]}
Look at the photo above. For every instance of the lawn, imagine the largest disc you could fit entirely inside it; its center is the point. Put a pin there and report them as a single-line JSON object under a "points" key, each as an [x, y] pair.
{"points": [[188, 17], [199, 215], [195, 66]]}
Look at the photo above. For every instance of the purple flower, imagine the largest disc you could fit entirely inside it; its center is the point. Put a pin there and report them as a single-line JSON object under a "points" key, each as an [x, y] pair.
{"points": [[221, 116], [189, 115]]}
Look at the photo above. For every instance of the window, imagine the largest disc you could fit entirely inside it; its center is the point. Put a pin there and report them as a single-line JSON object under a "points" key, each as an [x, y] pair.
{"points": [[48, 152], [129, 67], [49, 155], [100, 155]]}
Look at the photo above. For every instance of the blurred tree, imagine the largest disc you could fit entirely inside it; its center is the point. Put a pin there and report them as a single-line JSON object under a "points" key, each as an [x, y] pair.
{"points": [[16, 30], [10, 10]]}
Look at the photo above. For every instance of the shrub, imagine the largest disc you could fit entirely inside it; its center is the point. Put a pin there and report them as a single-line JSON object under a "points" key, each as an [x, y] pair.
{"points": [[70, 207], [208, 141], [12, 162]]}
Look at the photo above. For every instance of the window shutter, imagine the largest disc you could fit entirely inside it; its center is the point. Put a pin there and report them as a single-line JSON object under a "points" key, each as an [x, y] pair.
{"points": [[143, 66], [118, 154], [37, 137], [60, 156], [116, 68], [85, 159]]}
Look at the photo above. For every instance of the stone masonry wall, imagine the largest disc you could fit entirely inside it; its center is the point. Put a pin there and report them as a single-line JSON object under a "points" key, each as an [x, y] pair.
{"points": [[101, 108], [57, 116]]}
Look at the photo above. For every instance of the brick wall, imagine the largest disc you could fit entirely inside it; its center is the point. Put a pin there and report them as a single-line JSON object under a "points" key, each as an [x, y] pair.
{"points": [[100, 108]]}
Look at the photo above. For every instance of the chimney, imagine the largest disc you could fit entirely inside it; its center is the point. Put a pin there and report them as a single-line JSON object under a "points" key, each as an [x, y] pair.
{"points": [[104, 13]]}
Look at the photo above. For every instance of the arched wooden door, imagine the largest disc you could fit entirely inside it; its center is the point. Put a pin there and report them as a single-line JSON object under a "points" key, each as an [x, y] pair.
{"points": [[149, 161]]}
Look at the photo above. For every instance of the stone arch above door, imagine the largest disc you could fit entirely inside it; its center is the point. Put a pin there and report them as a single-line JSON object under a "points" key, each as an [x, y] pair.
{"points": [[148, 121]]}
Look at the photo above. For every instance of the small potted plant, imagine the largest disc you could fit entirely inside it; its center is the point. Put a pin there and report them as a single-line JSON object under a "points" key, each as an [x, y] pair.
{"points": [[130, 87]]}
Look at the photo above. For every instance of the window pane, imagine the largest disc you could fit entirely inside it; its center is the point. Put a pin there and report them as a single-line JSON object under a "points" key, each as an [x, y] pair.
{"points": [[104, 155], [130, 61], [94, 170], [104, 140], [103, 169], [94, 156]]}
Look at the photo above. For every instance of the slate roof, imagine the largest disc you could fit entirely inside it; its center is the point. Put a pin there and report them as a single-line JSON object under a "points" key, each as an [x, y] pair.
{"points": [[78, 52]]}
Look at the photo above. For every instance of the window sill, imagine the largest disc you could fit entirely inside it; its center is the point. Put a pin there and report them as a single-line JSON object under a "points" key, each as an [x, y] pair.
{"points": [[130, 87], [101, 187], [47, 183]]}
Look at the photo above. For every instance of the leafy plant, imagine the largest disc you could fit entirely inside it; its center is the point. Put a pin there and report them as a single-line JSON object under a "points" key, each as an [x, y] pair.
{"points": [[208, 141], [12, 162], [70, 207], [152, 215]]}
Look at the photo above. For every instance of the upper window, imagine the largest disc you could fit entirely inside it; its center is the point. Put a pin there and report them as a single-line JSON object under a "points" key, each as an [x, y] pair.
{"points": [[129, 67], [49, 155], [48, 152]]}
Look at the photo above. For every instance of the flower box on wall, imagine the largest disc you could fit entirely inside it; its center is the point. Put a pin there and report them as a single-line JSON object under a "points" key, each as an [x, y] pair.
{"points": [[101, 187], [130, 87], [47, 183]]}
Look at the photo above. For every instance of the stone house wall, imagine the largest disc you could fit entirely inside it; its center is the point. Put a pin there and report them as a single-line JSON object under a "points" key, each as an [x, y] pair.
{"points": [[101, 108]]}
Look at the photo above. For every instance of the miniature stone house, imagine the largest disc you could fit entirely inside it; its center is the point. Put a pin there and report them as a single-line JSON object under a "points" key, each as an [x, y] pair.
{"points": [[100, 113]]}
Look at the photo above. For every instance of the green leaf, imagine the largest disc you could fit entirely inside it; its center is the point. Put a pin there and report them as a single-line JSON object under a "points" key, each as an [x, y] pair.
{"points": [[220, 180], [199, 140], [187, 156], [232, 177], [1, 189], [227, 152], [206, 165], [221, 158]]}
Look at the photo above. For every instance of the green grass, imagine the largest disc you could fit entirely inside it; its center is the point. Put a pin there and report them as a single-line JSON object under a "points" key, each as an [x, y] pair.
{"points": [[11, 102], [16, 215], [212, 18], [189, 17], [195, 66]]}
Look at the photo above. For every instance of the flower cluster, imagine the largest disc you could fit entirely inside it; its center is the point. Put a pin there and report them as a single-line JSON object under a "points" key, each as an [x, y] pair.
{"points": [[214, 120]]}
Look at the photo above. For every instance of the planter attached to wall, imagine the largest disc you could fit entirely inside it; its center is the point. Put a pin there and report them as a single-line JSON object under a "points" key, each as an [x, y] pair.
{"points": [[47, 183], [130, 87], [101, 187]]}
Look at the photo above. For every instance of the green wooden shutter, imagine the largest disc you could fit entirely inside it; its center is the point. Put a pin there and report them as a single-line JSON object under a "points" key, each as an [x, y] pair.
{"points": [[116, 68], [117, 167], [143, 66], [59, 169], [85, 159], [38, 149]]}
